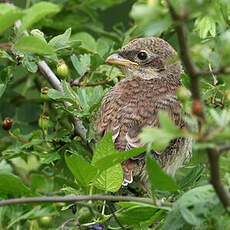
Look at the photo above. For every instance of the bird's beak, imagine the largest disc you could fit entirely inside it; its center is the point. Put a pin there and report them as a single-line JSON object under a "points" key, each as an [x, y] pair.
{"points": [[118, 60]]}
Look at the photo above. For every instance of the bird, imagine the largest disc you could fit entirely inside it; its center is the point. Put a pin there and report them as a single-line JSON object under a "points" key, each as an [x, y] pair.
{"points": [[152, 76]]}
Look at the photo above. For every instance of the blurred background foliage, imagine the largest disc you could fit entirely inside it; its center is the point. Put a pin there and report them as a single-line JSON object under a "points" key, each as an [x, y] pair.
{"points": [[75, 36]]}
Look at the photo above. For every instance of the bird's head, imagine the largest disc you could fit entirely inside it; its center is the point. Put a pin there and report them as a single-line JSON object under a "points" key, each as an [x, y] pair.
{"points": [[146, 58]]}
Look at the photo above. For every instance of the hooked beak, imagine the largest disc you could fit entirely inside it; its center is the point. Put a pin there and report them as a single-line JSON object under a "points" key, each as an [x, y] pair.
{"points": [[118, 60]]}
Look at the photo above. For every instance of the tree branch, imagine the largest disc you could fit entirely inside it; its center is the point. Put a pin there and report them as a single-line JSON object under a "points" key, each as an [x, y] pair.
{"points": [[184, 51], [194, 73], [223, 148], [70, 199], [219, 187]]}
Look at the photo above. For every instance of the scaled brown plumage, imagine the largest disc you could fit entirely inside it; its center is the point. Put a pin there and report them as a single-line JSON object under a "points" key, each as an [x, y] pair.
{"points": [[152, 77]]}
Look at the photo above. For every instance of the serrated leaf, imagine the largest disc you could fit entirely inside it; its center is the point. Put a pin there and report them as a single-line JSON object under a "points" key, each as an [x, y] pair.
{"points": [[104, 148], [11, 184], [34, 45], [8, 15], [61, 41], [111, 178], [82, 170], [37, 12], [206, 25], [59, 96], [158, 178]]}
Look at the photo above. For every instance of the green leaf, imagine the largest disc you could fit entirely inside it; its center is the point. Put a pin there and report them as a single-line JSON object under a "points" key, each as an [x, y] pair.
{"points": [[206, 25], [193, 207], [174, 221], [158, 178], [30, 64], [82, 170], [11, 184], [88, 43], [137, 214], [33, 44], [222, 118], [104, 148], [192, 177], [34, 213], [2, 88], [37, 12], [160, 137], [103, 47], [49, 157], [8, 15], [39, 183], [166, 123], [115, 157], [59, 96], [61, 41], [129, 204], [78, 65], [111, 178]]}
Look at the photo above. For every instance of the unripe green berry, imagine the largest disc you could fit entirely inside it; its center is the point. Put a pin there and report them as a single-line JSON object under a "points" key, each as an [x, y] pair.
{"points": [[62, 70], [43, 123], [44, 95], [45, 220]]}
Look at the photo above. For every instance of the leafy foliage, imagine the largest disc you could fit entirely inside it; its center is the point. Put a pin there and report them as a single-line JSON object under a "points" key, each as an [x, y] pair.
{"points": [[49, 159]]}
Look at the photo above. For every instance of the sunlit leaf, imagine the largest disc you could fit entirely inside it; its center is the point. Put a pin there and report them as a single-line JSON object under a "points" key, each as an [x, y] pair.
{"points": [[61, 41], [82, 170], [37, 12], [33, 44]]}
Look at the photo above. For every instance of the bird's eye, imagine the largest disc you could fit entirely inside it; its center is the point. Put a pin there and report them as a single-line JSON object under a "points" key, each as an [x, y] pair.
{"points": [[142, 55]]}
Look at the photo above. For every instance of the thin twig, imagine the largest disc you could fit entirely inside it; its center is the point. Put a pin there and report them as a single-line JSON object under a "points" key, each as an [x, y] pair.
{"points": [[185, 53], [223, 148], [219, 187], [70, 199], [110, 206], [77, 81], [67, 222]]}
